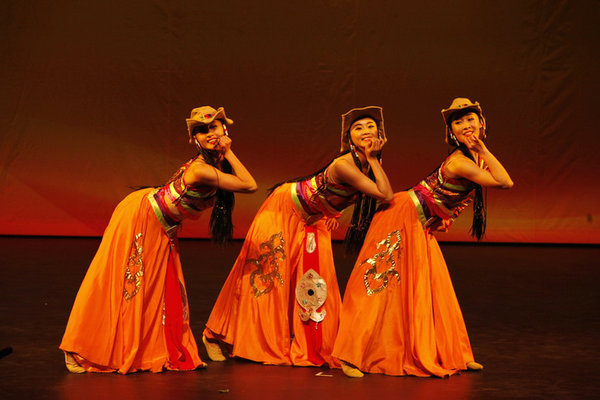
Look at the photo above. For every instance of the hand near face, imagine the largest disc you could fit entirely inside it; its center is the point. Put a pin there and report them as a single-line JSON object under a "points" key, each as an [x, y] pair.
{"points": [[475, 144], [373, 147], [224, 144]]}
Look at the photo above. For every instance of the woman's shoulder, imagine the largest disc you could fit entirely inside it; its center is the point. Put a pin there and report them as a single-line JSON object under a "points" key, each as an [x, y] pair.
{"points": [[456, 164], [455, 160], [200, 164], [343, 161], [198, 171], [339, 167], [341, 170]]}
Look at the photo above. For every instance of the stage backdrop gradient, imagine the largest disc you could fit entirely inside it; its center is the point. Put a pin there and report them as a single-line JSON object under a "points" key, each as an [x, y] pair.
{"points": [[95, 96]]}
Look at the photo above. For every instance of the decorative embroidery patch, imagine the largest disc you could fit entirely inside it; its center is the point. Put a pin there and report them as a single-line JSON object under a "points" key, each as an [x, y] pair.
{"points": [[263, 278], [377, 281], [311, 293], [133, 280]]}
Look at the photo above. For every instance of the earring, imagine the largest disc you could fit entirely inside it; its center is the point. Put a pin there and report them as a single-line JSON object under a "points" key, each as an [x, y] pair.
{"points": [[353, 149]]}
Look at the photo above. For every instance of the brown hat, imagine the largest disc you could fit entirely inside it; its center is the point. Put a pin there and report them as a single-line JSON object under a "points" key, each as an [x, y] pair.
{"points": [[203, 116], [348, 119], [459, 104]]}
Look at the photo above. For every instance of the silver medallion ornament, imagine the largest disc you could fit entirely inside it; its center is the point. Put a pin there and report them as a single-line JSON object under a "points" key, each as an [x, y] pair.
{"points": [[311, 293]]}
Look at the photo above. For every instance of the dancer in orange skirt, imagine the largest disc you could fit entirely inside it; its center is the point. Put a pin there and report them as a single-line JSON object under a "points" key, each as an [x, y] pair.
{"points": [[400, 314], [281, 302], [131, 312]]}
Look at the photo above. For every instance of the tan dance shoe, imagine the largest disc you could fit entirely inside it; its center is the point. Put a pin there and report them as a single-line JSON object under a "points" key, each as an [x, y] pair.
{"points": [[72, 364], [213, 350], [474, 366], [350, 370]]}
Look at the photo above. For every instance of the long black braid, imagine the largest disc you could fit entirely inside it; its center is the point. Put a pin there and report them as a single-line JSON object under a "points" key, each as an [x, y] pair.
{"points": [[221, 224], [364, 209], [479, 223], [479, 202]]}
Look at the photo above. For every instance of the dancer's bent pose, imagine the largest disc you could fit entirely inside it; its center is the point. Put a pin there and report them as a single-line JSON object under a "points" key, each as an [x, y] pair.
{"points": [[400, 314], [281, 302], [131, 311]]}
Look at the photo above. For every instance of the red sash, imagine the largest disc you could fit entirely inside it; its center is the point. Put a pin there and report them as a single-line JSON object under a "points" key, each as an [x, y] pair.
{"points": [[312, 329], [179, 357]]}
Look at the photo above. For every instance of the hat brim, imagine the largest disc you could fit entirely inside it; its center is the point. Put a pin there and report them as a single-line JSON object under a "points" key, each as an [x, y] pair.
{"points": [[220, 115], [447, 112], [348, 119]]}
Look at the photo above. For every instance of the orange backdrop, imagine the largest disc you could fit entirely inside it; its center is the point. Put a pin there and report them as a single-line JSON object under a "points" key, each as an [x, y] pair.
{"points": [[95, 96]]}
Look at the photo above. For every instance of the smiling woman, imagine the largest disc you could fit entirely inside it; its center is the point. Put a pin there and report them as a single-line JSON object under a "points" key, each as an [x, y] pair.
{"points": [[281, 301], [400, 314], [209, 136], [131, 310], [363, 131]]}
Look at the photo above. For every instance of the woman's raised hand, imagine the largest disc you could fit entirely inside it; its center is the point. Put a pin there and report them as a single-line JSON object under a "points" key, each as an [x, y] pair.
{"points": [[224, 144], [475, 144], [374, 147]]}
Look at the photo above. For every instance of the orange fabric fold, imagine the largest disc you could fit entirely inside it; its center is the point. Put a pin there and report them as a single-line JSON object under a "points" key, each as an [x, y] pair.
{"points": [[400, 314], [117, 320], [256, 311]]}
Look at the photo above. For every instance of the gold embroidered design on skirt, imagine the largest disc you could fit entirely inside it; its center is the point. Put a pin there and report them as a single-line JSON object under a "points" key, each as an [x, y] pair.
{"points": [[133, 280], [263, 278], [377, 281]]}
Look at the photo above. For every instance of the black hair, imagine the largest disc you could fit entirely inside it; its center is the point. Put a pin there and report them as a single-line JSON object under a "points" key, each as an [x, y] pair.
{"points": [[479, 223], [364, 207], [221, 224]]}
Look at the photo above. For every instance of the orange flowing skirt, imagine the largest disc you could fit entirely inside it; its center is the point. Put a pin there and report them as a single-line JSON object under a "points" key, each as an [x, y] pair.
{"points": [[124, 319], [256, 312], [400, 314]]}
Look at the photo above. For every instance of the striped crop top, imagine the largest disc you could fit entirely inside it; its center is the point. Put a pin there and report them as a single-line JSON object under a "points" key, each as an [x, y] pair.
{"points": [[440, 199], [318, 196], [177, 201]]}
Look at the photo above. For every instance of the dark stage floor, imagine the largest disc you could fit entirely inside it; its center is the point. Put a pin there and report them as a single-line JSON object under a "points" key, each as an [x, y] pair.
{"points": [[532, 314]]}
